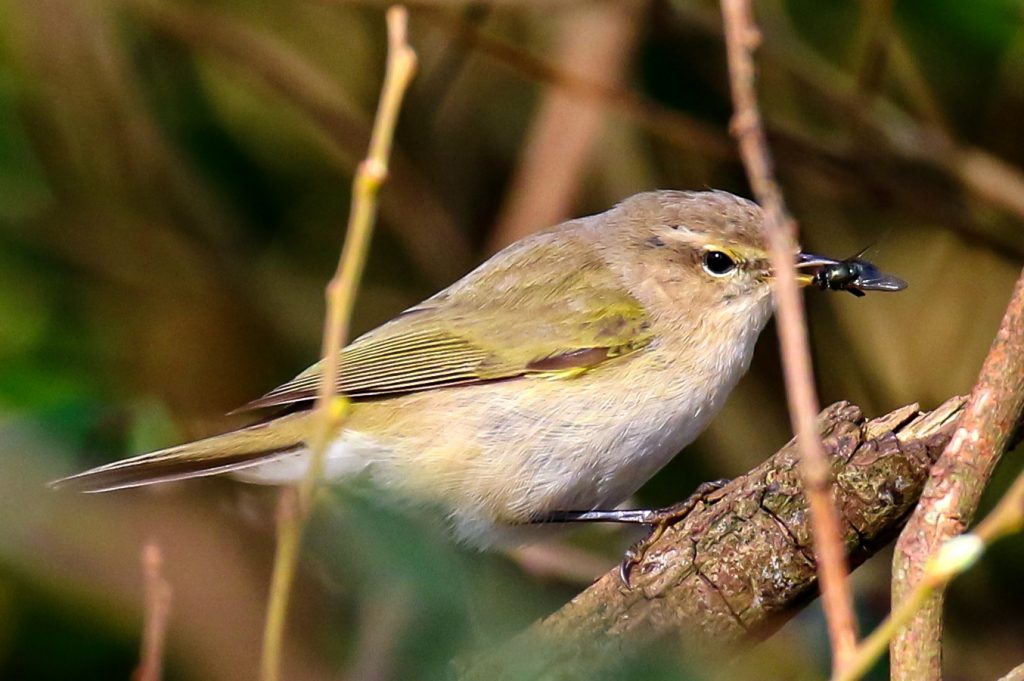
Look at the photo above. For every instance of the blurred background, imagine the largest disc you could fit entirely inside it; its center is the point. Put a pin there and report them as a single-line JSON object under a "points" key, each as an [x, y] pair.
{"points": [[174, 183]]}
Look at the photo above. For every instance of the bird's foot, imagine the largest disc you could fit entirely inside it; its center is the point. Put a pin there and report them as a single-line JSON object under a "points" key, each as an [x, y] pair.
{"points": [[661, 519]]}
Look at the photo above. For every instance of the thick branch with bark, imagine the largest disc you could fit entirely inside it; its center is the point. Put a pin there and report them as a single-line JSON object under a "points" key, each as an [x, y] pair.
{"points": [[741, 563]]}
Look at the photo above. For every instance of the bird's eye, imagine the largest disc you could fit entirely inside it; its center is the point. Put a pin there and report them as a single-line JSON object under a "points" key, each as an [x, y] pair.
{"points": [[718, 264]]}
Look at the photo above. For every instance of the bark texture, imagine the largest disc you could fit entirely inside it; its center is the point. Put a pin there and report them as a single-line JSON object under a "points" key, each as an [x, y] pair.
{"points": [[741, 563]]}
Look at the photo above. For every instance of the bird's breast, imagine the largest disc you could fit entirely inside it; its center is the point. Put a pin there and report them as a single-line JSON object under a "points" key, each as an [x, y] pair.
{"points": [[510, 451]]}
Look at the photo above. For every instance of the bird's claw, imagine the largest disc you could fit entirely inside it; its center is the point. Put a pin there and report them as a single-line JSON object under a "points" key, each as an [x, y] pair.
{"points": [[660, 520], [635, 553]]}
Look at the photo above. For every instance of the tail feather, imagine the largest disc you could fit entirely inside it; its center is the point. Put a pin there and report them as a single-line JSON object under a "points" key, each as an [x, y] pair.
{"points": [[225, 453]]}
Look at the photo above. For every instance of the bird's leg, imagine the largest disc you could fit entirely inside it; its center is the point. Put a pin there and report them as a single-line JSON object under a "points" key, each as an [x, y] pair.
{"points": [[659, 519], [632, 516], [663, 518]]}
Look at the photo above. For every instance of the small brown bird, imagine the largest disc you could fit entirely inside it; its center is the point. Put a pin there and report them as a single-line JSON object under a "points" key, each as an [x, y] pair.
{"points": [[556, 378]]}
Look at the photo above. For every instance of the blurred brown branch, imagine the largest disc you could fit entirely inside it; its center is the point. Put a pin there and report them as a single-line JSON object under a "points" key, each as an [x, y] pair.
{"points": [[411, 207], [884, 136], [975, 169], [907, 71], [741, 38], [157, 611], [382, 620], [872, 46], [903, 139], [880, 50], [954, 490], [91, 551], [597, 44], [673, 126], [741, 563]]}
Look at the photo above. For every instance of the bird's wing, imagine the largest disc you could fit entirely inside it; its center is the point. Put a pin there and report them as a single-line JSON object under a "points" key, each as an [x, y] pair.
{"points": [[555, 314]]}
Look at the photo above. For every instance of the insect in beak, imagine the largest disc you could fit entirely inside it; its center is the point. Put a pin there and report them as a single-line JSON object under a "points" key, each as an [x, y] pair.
{"points": [[855, 275]]}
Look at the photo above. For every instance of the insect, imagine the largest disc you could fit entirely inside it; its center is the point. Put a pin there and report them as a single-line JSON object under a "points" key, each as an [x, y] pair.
{"points": [[855, 275]]}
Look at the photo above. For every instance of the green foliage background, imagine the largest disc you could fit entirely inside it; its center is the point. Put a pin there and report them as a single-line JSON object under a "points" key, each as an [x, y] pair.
{"points": [[173, 186]]}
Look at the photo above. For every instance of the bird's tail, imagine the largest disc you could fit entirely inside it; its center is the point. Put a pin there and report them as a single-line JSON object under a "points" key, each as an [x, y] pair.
{"points": [[225, 453]]}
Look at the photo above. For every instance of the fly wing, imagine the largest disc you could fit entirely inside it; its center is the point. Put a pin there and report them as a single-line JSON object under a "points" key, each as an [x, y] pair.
{"points": [[873, 279]]}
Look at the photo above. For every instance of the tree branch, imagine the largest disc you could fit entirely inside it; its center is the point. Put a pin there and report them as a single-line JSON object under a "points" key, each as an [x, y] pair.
{"points": [[954, 489], [740, 564]]}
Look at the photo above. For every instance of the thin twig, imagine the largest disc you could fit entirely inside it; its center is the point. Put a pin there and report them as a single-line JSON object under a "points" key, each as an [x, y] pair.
{"points": [[741, 37], [953, 559], [954, 489], [341, 292], [158, 609]]}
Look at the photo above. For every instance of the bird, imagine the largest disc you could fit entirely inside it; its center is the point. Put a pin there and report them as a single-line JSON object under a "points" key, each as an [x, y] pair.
{"points": [[546, 385]]}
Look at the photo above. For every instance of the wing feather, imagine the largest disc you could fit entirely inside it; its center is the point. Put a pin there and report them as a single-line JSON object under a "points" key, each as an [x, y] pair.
{"points": [[574, 316]]}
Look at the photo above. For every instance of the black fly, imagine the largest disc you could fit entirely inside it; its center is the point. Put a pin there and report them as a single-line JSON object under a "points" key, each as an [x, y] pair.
{"points": [[855, 275]]}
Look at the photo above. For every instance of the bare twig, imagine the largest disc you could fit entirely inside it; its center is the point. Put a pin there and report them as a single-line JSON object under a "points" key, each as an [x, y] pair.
{"points": [[158, 609], [741, 36], [951, 560], [286, 552], [341, 292], [954, 489]]}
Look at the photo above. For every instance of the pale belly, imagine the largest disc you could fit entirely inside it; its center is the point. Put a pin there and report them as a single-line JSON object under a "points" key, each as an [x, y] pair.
{"points": [[593, 452], [499, 455]]}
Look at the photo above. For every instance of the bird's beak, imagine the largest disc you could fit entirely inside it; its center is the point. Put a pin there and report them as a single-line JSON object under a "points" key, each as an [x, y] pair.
{"points": [[810, 261]]}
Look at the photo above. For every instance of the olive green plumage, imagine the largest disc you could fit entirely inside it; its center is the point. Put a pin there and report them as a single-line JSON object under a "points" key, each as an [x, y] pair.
{"points": [[573, 317]]}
